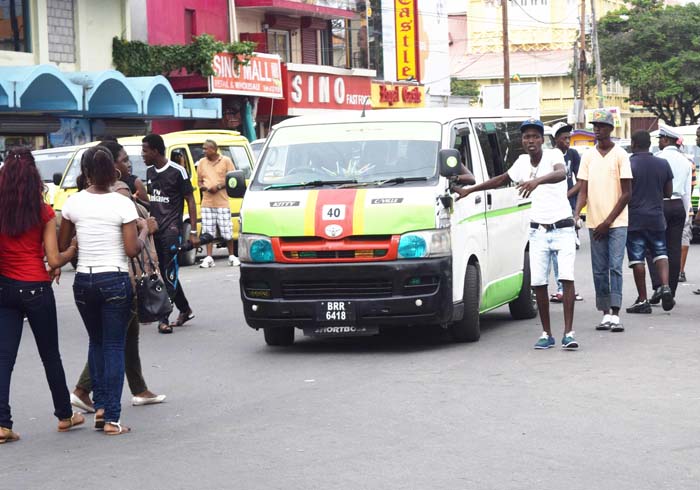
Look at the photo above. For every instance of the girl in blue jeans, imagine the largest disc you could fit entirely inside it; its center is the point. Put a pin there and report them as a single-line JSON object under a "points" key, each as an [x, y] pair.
{"points": [[108, 230], [27, 233]]}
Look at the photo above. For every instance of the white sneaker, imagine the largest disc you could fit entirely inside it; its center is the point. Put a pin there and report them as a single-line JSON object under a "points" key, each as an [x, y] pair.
{"points": [[233, 261], [207, 262]]}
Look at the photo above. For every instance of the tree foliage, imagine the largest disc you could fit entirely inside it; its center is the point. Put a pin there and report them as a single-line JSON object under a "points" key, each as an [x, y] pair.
{"points": [[655, 50], [139, 59], [464, 88]]}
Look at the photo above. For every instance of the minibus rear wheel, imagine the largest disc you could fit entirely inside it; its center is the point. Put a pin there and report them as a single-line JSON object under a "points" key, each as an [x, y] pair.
{"points": [[523, 307]]}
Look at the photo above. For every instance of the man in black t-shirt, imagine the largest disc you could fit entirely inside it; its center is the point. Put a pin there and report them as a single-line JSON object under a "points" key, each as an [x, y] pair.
{"points": [[169, 187], [653, 180]]}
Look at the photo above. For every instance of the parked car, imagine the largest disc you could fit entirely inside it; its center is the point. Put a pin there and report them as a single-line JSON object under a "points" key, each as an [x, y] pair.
{"points": [[187, 143]]}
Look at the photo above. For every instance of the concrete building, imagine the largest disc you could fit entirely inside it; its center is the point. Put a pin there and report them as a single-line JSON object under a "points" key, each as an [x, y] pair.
{"points": [[542, 37]]}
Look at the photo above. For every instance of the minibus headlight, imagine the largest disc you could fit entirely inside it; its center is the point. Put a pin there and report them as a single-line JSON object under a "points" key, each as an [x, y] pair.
{"points": [[422, 244], [255, 248]]}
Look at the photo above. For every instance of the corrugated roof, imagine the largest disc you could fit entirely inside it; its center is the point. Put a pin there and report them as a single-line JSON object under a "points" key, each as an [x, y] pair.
{"points": [[526, 64]]}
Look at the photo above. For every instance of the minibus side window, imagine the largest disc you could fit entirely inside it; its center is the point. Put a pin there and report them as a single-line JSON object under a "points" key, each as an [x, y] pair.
{"points": [[509, 142], [461, 144], [488, 141]]}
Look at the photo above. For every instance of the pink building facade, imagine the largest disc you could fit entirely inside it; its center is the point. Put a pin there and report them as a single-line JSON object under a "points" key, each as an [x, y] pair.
{"points": [[176, 21]]}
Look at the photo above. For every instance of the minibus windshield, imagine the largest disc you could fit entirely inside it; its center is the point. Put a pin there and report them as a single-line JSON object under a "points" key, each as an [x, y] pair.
{"points": [[356, 152]]}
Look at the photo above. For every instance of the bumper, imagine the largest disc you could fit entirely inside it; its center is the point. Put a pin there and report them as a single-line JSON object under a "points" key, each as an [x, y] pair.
{"points": [[398, 293]]}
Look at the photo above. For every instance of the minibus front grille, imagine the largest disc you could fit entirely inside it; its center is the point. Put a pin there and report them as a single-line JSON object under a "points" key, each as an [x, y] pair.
{"points": [[331, 289]]}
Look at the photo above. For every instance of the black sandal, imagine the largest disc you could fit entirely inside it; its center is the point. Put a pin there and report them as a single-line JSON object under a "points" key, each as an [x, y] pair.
{"points": [[182, 318], [165, 328]]}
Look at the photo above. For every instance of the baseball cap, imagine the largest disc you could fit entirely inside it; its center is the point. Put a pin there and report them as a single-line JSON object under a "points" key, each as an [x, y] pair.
{"points": [[561, 127], [532, 123], [601, 116]]}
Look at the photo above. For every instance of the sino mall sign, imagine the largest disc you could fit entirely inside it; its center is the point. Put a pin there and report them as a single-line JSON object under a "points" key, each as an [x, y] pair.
{"points": [[261, 77], [406, 17]]}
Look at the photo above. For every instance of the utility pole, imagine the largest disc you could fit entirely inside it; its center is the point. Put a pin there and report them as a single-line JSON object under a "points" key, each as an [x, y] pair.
{"points": [[582, 64], [506, 56], [596, 53]]}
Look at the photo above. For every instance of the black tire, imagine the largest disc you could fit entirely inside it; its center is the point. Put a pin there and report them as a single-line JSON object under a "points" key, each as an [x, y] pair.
{"points": [[523, 307], [279, 336], [187, 258], [468, 329]]}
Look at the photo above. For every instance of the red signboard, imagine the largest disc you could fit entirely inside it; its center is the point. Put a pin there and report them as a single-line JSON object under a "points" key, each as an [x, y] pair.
{"points": [[315, 90], [261, 77]]}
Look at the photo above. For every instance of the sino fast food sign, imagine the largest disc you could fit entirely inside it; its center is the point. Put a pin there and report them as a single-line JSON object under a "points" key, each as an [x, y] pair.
{"points": [[406, 17]]}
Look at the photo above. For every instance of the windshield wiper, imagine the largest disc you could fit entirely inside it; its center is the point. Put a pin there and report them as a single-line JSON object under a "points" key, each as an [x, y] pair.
{"points": [[394, 180], [400, 180], [312, 183]]}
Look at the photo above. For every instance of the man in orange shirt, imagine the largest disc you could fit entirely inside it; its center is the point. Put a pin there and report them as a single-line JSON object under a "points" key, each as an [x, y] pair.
{"points": [[216, 213], [606, 186]]}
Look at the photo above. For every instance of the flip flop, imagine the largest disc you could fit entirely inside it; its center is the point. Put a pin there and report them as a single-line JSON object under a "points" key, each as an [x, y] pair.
{"points": [[182, 318], [697, 291], [165, 328], [122, 429], [72, 422], [7, 435]]}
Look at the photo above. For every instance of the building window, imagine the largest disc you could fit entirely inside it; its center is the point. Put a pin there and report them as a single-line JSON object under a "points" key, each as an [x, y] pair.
{"points": [[324, 42], [190, 25], [278, 43], [14, 25]]}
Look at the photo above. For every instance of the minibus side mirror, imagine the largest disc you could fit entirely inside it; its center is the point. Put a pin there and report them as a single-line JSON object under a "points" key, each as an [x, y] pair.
{"points": [[235, 183], [57, 179], [449, 162]]}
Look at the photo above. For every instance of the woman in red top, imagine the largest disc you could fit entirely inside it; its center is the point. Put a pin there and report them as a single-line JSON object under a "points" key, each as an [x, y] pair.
{"points": [[27, 234]]}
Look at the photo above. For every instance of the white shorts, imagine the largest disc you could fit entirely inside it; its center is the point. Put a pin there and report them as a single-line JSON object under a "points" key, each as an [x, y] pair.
{"points": [[213, 218], [687, 236], [545, 246]]}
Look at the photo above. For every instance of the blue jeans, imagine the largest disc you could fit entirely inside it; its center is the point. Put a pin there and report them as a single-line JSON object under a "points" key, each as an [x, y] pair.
{"points": [[35, 300], [104, 302], [606, 259]]}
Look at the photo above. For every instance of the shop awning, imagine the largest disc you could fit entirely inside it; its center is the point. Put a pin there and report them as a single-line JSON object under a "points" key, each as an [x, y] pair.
{"points": [[45, 89], [108, 93], [40, 88]]}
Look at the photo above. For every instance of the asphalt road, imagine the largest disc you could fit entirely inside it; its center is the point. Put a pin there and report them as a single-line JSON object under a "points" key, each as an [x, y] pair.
{"points": [[418, 412]]}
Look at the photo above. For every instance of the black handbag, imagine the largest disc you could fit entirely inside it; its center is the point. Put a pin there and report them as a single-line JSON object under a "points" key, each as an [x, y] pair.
{"points": [[152, 299]]}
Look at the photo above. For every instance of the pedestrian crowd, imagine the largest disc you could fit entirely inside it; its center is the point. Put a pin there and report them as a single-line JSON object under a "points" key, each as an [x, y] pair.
{"points": [[119, 230], [122, 230], [639, 204]]}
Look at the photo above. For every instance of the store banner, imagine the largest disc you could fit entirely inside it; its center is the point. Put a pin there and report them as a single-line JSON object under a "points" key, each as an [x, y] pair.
{"points": [[397, 96], [406, 18], [261, 77], [309, 91]]}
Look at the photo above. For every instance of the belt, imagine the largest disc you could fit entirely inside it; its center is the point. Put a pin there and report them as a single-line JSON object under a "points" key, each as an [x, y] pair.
{"points": [[86, 269], [562, 223]]}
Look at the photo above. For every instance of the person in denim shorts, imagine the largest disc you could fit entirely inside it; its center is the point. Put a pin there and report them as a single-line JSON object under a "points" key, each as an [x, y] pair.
{"points": [[540, 174], [108, 230], [653, 180]]}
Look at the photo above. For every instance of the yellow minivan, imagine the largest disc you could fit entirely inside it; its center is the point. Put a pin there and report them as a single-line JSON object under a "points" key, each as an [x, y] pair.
{"points": [[187, 143]]}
